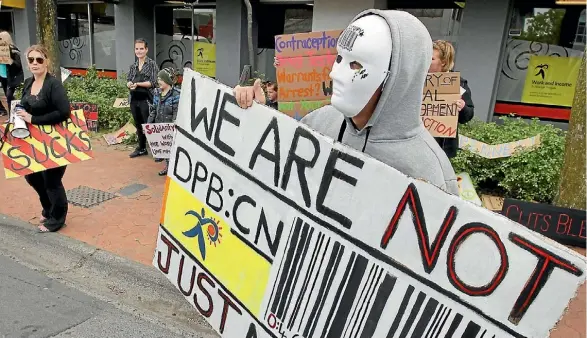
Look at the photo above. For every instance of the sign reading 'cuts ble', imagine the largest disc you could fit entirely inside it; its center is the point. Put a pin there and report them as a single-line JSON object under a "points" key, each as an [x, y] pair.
{"points": [[272, 230]]}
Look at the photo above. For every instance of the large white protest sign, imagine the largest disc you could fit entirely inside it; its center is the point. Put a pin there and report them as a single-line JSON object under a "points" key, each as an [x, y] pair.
{"points": [[272, 230], [160, 138]]}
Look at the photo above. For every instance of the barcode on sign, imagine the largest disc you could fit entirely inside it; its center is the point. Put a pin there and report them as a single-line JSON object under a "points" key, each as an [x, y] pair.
{"points": [[325, 289]]}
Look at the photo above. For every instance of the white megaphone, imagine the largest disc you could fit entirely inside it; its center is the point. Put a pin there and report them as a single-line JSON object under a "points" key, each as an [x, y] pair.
{"points": [[20, 129]]}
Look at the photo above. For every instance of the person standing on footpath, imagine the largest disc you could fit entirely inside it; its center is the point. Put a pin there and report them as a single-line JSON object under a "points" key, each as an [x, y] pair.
{"points": [[142, 80], [45, 102], [378, 77], [165, 103], [443, 61], [11, 75]]}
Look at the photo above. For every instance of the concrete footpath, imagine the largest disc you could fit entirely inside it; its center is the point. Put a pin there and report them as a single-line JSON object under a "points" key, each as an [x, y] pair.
{"points": [[55, 286]]}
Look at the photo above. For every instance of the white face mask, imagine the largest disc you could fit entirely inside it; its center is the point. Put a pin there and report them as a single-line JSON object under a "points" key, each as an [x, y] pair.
{"points": [[364, 54]]}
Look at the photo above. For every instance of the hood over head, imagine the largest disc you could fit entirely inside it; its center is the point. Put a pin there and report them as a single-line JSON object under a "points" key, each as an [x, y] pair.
{"points": [[397, 115]]}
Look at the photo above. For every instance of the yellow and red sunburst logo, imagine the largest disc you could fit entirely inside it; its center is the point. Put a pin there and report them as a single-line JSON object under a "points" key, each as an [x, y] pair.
{"points": [[212, 227]]}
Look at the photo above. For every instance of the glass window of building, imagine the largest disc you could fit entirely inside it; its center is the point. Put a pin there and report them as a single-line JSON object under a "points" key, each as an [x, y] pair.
{"points": [[174, 35], [86, 35], [541, 61], [73, 31], [104, 36]]}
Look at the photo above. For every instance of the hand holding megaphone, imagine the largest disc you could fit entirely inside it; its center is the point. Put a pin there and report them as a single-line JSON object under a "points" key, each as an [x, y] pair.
{"points": [[21, 117]]}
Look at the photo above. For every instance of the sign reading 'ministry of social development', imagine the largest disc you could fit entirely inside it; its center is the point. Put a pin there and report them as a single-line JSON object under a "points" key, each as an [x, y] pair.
{"points": [[272, 230]]}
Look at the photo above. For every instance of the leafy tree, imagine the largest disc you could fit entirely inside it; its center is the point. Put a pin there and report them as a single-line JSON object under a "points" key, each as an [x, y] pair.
{"points": [[47, 31], [572, 186], [545, 27]]}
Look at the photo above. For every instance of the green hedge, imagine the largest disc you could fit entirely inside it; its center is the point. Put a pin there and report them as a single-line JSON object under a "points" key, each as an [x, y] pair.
{"points": [[531, 175], [103, 92]]}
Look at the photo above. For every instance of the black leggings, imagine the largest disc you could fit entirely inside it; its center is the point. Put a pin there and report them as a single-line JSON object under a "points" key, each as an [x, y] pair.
{"points": [[8, 91], [49, 187], [140, 115]]}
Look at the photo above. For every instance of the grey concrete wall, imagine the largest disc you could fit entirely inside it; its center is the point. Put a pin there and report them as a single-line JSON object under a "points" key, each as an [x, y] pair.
{"points": [[479, 56], [25, 29], [134, 19], [231, 40], [337, 14], [124, 27]]}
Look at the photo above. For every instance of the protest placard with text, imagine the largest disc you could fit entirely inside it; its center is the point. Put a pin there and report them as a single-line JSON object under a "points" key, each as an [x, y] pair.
{"points": [[120, 135], [160, 138], [48, 146], [90, 112], [270, 229], [303, 74], [439, 111], [121, 102], [5, 54], [501, 150]]}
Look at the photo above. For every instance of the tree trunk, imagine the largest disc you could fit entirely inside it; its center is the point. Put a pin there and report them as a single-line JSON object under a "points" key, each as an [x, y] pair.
{"points": [[47, 32], [571, 192]]}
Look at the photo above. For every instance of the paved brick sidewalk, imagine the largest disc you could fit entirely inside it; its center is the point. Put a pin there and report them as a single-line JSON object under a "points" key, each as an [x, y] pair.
{"points": [[127, 226]]}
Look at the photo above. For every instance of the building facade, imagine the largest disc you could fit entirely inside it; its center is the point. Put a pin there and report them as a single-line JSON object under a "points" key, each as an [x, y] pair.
{"points": [[493, 39]]}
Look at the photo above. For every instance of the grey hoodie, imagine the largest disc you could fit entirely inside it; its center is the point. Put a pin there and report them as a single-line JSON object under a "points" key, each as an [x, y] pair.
{"points": [[395, 134]]}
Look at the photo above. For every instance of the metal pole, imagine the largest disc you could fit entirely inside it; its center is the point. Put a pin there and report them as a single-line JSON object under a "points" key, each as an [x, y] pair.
{"points": [[155, 33], [193, 37], [91, 33]]}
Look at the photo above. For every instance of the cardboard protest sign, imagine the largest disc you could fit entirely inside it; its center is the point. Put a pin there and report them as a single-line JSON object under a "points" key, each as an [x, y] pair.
{"points": [[493, 203], [497, 150], [65, 73], [160, 138], [467, 189], [303, 74], [270, 229], [5, 54], [48, 146], [120, 135], [121, 102], [439, 111], [564, 225], [90, 112]]}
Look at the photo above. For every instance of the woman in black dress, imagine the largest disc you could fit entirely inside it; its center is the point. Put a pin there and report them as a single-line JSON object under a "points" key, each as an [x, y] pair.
{"points": [[142, 80], [45, 102]]}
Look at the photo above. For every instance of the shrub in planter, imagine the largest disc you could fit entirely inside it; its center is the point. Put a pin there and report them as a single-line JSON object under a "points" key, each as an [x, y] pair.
{"points": [[531, 175], [91, 88], [103, 92]]}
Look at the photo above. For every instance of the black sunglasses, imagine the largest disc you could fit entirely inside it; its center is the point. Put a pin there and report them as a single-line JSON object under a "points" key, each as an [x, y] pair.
{"points": [[39, 60]]}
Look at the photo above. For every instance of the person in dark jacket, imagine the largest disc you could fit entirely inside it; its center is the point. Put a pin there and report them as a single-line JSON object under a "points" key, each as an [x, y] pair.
{"points": [[11, 75], [142, 81], [165, 103], [443, 61], [45, 102]]}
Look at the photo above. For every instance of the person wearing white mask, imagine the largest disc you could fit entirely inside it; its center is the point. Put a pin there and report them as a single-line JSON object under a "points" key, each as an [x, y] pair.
{"points": [[378, 78]]}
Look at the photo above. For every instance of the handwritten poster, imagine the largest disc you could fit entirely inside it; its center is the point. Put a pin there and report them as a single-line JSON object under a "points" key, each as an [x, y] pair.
{"points": [[303, 74], [467, 189], [48, 146], [564, 225], [121, 102], [439, 112], [5, 54], [497, 150], [120, 135], [160, 138], [90, 112], [270, 229], [205, 56]]}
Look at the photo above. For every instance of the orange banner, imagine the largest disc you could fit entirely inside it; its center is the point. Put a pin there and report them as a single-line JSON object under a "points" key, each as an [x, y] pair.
{"points": [[47, 147]]}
